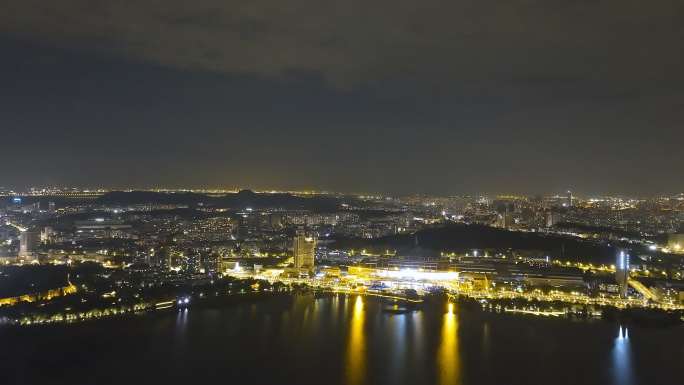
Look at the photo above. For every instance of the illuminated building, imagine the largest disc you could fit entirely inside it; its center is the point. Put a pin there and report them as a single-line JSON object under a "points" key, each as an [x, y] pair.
{"points": [[276, 221], [28, 243], [303, 248], [675, 243], [312, 219], [552, 218], [248, 224], [100, 224], [403, 278], [622, 273], [102, 228], [47, 234]]}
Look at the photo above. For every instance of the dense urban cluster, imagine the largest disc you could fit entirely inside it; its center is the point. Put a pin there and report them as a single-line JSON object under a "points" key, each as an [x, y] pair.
{"points": [[113, 252]]}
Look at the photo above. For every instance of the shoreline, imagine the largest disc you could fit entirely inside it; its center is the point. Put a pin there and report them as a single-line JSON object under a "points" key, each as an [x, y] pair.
{"points": [[521, 307]]}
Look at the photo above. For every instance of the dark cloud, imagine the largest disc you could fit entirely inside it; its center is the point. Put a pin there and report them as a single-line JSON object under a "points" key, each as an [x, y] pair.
{"points": [[408, 96], [355, 41]]}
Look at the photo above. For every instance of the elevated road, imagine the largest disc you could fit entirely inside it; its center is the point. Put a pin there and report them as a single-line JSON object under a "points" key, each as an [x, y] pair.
{"points": [[643, 290], [16, 226]]}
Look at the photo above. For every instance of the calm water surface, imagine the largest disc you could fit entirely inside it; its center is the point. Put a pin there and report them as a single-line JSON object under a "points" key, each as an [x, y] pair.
{"points": [[340, 340]]}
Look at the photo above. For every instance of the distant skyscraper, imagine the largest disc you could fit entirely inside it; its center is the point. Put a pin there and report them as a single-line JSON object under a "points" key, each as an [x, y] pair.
{"points": [[304, 249], [276, 221], [46, 236], [569, 203], [622, 272], [552, 218], [28, 243], [248, 225]]}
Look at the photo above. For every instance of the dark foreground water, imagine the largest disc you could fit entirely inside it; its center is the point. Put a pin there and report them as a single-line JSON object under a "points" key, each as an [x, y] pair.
{"points": [[340, 340]]}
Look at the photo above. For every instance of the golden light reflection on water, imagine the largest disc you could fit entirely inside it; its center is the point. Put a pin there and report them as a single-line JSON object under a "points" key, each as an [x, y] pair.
{"points": [[356, 348], [448, 359]]}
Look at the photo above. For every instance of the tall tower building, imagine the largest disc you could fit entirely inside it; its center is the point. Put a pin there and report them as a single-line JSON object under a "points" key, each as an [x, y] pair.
{"points": [[552, 218], [46, 236], [304, 249], [28, 243], [622, 273], [276, 221]]}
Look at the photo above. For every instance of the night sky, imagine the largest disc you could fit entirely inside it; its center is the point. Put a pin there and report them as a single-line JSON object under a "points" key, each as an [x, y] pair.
{"points": [[448, 97]]}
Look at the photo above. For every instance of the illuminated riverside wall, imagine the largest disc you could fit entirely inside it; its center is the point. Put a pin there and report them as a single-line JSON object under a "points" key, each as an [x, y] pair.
{"points": [[45, 295]]}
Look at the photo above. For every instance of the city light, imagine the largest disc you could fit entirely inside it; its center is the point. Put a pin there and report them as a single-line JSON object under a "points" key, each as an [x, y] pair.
{"points": [[418, 275]]}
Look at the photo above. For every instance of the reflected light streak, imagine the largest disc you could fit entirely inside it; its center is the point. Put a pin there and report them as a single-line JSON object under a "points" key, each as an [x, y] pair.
{"points": [[398, 359], [485, 340], [417, 331], [182, 319], [181, 326], [448, 359], [356, 357], [622, 359], [335, 306]]}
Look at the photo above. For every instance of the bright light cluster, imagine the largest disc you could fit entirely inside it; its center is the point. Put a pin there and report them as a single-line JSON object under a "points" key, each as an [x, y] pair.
{"points": [[418, 275]]}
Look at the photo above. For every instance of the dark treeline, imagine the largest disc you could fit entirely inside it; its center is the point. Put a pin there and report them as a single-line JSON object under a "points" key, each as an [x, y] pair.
{"points": [[465, 238]]}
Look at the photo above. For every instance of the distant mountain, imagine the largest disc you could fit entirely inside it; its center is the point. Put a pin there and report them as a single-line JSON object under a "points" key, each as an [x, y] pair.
{"points": [[237, 201]]}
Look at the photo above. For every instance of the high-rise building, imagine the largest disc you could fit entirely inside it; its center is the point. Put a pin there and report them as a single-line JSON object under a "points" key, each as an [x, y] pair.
{"points": [[47, 235], [552, 218], [248, 225], [622, 273], [304, 249], [28, 243], [276, 221]]}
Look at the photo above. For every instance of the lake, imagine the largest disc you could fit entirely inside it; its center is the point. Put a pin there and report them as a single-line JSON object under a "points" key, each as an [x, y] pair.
{"points": [[302, 339]]}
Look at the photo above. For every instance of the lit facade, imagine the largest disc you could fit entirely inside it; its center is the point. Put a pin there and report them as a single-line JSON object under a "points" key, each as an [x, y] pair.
{"points": [[304, 249], [622, 273]]}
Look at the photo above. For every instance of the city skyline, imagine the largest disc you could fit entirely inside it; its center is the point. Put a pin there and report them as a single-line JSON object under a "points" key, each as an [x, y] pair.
{"points": [[469, 192], [49, 190]]}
